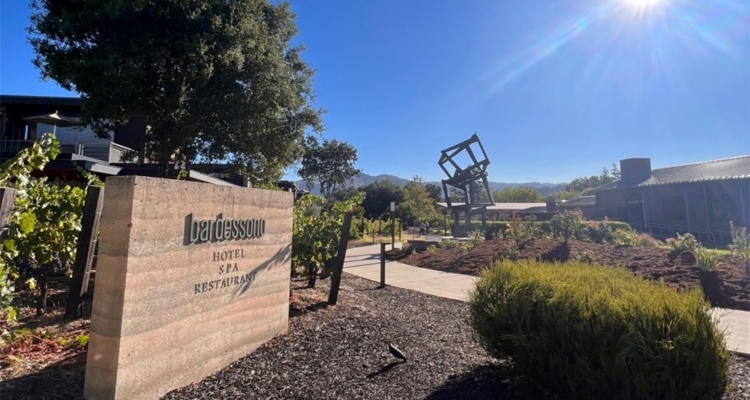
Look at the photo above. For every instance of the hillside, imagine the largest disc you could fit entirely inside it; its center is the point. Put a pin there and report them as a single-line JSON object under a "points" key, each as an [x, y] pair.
{"points": [[363, 179]]}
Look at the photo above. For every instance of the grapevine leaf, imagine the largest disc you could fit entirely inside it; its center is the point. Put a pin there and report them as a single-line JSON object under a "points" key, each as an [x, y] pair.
{"points": [[27, 223]]}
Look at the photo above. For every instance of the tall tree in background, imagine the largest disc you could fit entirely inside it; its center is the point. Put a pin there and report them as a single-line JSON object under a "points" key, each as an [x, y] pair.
{"points": [[379, 195], [521, 194], [594, 181], [215, 79], [436, 192], [586, 185], [417, 205], [330, 164]]}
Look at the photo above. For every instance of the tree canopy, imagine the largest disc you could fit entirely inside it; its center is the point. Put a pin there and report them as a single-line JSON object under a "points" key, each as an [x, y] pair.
{"points": [[436, 192], [521, 194], [213, 79], [379, 196], [330, 164], [586, 185], [594, 181], [417, 205]]}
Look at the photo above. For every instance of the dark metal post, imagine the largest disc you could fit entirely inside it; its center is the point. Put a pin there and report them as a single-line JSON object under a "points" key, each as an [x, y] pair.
{"points": [[92, 212], [338, 264], [382, 264]]}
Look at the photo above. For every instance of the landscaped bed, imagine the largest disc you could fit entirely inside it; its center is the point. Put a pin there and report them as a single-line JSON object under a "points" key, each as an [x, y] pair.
{"points": [[341, 352], [654, 263]]}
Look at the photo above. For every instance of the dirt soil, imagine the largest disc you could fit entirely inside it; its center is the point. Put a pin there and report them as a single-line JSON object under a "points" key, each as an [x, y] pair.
{"points": [[730, 290], [340, 352]]}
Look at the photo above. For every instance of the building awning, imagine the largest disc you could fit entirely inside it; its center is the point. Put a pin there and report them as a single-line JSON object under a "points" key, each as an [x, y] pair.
{"points": [[199, 177], [153, 170], [498, 206], [71, 162]]}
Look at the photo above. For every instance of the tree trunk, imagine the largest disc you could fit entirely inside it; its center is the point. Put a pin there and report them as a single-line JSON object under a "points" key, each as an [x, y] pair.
{"points": [[41, 308], [312, 276]]}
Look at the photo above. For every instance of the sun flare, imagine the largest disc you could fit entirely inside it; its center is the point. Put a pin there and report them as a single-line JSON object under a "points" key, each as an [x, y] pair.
{"points": [[643, 3]]}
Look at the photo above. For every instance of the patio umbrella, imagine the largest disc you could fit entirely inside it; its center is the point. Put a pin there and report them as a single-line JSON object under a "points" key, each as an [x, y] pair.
{"points": [[55, 120]]}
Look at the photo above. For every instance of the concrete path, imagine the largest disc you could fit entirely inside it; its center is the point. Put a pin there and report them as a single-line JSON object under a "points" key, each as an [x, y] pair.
{"points": [[365, 262]]}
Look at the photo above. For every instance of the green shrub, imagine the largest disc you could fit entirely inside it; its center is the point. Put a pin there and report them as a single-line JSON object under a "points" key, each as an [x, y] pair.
{"points": [[533, 226], [597, 232], [584, 256], [624, 238], [513, 253], [740, 242], [517, 231], [476, 238], [707, 260], [620, 225], [449, 243], [628, 237], [591, 332], [683, 243], [740, 246], [566, 224], [540, 229], [646, 240], [494, 229]]}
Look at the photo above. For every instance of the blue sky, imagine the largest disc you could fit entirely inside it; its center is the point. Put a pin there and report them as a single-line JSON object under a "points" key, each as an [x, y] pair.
{"points": [[555, 89]]}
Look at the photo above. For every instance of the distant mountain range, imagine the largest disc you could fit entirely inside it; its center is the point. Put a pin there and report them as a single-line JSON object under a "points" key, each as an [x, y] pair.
{"points": [[363, 179]]}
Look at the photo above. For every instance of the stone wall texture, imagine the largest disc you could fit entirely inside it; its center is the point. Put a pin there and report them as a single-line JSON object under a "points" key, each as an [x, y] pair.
{"points": [[168, 312]]}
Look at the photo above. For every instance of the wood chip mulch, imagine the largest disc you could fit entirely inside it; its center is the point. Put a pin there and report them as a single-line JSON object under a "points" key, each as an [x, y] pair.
{"points": [[681, 271], [340, 352]]}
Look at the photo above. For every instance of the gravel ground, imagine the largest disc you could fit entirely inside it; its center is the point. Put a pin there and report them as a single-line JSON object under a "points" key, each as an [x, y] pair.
{"points": [[341, 352]]}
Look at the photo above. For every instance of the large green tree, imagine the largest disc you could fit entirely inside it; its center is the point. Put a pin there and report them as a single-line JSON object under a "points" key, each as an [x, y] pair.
{"points": [[331, 165], [213, 79], [417, 205], [521, 194], [379, 196], [436, 191]]}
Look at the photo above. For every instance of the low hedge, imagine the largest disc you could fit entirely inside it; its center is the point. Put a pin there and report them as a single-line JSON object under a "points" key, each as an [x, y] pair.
{"points": [[591, 332], [494, 228]]}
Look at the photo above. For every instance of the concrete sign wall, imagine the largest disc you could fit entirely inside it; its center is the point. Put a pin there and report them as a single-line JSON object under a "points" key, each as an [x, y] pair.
{"points": [[190, 277]]}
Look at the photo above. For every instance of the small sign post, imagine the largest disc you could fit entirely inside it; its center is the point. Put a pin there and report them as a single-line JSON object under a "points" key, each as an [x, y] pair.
{"points": [[393, 225]]}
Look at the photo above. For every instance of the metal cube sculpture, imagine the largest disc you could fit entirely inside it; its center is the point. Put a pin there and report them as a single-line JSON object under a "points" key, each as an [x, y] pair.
{"points": [[469, 179]]}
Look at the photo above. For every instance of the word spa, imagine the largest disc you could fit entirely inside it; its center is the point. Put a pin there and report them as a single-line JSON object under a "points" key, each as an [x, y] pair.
{"points": [[220, 229]]}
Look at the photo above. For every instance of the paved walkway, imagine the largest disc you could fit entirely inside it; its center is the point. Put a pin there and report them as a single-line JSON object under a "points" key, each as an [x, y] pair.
{"points": [[365, 262]]}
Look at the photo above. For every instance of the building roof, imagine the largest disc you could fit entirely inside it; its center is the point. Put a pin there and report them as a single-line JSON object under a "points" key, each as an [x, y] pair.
{"points": [[71, 162], [534, 210], [500, 206], [580, 201], [716, 170], [44, 100]]}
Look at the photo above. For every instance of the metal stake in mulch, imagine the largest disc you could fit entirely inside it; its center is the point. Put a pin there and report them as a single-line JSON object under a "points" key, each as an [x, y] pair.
{"points": [[382, 265]]}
